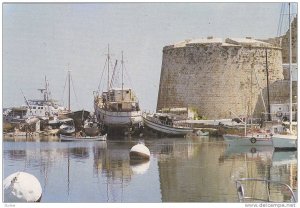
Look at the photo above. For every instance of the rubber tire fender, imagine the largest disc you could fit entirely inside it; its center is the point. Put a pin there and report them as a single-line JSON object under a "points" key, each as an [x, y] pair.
{"points": [[253, 140]]}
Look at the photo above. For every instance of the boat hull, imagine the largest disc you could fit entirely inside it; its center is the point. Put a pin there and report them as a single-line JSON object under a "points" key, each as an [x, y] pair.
{"points": [[247, 140], [91, 131], [118, 119], [282, 142], [166, 129]]}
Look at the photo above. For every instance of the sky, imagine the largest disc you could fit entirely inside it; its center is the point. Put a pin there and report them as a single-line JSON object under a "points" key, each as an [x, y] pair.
{"points": [[47, 39]]}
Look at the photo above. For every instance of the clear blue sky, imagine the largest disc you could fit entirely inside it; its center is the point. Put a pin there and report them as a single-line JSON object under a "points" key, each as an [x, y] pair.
{"points": [[42, 39]]}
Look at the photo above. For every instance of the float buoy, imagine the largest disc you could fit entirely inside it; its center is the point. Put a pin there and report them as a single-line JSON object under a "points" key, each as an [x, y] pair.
{"points": [[22, 187], [139, 152]]}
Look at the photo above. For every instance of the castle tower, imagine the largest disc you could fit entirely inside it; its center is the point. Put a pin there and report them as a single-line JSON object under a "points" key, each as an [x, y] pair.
{"points": [[217, 77]]}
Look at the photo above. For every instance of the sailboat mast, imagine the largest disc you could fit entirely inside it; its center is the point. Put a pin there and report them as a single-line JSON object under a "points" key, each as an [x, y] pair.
{"points": [[290, 67], [69, 95], [122, 76], [108, 60], [268, 90], [46, 90]]}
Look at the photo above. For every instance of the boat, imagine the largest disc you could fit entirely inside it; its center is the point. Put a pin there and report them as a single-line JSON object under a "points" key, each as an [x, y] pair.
{"points": [[45, 107], [254, 190], [67, 126], [117, 109], [65, 138], [166, 124], [250, 139], [285, 141], [91, 127], [288, 141]]}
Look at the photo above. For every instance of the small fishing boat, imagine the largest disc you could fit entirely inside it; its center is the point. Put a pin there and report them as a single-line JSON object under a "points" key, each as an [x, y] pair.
{"points": [[91, 127], [65, 138], [166, 124]]}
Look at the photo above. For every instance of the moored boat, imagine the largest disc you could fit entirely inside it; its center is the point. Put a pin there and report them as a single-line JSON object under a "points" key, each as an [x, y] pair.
{"points": [[285, 141], [164, 123], [83, 138], [118, 108], [252, 139]]}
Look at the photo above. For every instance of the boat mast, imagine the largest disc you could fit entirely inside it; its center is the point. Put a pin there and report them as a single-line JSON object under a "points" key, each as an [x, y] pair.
{"points": [[122, 76], [268, 91], [290, 67], [108, 59], [46, 90], [69, 95]]}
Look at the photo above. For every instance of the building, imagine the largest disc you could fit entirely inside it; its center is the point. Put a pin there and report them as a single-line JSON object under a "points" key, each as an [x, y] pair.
{"points": [[219, 78]]}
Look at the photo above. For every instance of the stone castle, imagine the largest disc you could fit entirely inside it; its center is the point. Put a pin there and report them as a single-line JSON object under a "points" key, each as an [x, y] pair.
{"points": [[223, 78]]}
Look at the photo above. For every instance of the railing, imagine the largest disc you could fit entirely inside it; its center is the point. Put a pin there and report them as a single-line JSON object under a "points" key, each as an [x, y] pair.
{"points": [[242, 193]]}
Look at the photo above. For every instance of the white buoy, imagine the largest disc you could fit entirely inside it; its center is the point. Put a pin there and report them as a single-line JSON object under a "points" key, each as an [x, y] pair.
{"points": [[139, 152], [22, 187]]}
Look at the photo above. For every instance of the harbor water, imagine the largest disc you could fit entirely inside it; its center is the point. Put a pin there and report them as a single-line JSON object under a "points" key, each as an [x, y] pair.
{"points": [[193, 169]]}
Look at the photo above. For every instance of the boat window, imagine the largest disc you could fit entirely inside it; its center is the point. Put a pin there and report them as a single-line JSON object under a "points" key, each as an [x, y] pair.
{"points": [[34, 107]]}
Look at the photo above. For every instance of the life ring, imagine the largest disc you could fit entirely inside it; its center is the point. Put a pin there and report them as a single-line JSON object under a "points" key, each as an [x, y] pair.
{"points": [[253, 140], [279, 114]]}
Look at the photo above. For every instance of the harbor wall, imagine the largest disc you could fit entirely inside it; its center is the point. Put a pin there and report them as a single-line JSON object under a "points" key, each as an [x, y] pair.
{"points": [[217, 77]]}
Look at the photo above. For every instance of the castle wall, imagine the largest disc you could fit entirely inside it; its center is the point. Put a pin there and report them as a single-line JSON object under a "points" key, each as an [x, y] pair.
{"points": [[217, 77]]}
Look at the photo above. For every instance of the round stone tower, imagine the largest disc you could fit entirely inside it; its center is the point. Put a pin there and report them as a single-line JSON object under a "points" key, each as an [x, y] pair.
{"points": [[218, 78]]}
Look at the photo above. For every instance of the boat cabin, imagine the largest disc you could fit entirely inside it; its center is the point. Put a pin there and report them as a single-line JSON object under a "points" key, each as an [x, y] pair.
{"points": [[120, 100]]}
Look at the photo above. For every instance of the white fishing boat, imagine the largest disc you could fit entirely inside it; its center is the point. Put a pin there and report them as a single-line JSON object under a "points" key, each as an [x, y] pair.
{"points": [[118, 108], [83, 138], [165, 124], [45, 107]]}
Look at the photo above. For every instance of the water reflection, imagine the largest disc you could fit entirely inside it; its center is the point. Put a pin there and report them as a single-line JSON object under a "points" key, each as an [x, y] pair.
{"points": [[79, 152], [201, 169], [139, 167]]}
